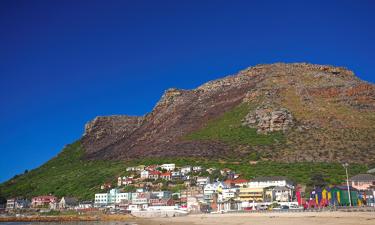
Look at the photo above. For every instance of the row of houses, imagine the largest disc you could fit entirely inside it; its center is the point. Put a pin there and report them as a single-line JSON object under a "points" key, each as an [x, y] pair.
{"points": [[47, 201], [211, 195]]}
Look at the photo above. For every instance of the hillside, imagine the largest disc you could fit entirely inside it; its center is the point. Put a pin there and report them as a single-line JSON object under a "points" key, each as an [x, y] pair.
{"points": [[281, 112], [68, 174], [294, 119]]}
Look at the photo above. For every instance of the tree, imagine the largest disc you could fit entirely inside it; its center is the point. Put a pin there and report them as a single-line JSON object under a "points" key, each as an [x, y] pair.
{"points": [[317, 180]]}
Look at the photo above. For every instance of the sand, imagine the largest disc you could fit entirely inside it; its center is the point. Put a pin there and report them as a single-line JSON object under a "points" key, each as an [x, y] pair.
{"points": [[288, 218]]}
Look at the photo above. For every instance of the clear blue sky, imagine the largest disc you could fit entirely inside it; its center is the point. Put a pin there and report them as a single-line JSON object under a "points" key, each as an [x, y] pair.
{"points": [[64, 62]]}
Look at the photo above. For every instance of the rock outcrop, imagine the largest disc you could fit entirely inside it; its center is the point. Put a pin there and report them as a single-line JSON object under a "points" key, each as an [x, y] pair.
{"points": [[106, 130], [324, 113], [267, 120]]}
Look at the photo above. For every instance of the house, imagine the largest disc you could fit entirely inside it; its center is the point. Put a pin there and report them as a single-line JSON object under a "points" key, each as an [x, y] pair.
{"points": [[68, 203], [113, 197], [227, 193], [202, 181], [144, 174], [161, 194], [196, 191], [154, 175], [43, 201], [169, 167], [282, 194], [124, 181], [197, 168], [161, 202], [210, 170], [106, 186], [236, 182], [129, 169], [151, 167], [249, 194], [166, 176], [176, 175], [186, 169], [225, 171], [85, 205], [14, 203], [362, 181], [135, 168], [211, 189], [263, 182]]}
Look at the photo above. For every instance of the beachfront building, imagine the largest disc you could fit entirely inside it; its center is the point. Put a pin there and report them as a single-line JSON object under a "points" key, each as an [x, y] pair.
{"points": [[68, 203], [282, 194], [363, 182], [44, 201], [264, 182], [14, 203], [213, 189], [251, 194]]}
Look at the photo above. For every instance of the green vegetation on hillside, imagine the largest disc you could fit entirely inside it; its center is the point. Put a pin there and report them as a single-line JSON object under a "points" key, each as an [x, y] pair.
{"points": [[228, 128], [69, 175], [65, 175]]}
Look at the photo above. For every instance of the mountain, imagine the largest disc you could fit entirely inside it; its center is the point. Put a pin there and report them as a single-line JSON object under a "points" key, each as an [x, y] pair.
{"points": [[295, 120], [280, 112]]}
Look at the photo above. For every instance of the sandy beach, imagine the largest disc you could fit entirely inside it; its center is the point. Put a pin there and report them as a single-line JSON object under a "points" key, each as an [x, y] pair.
{"points": [[305, 218]]}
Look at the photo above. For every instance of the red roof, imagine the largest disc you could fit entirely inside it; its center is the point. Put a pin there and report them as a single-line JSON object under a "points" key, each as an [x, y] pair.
{"points": [[237, 181], [154, 172]]}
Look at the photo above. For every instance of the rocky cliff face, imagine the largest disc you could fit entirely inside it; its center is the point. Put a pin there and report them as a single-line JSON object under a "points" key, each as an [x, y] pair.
{"points": [[323, 113]]}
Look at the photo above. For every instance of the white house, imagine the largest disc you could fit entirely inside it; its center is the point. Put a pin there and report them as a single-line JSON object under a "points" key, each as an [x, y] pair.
{"points": [[202, 181], [227, 193], [101, 199], [105, 199], [197, 168], [282, 194], [123, 197], [124, 181], [68, 203], [211, 189], [144, 174], [263, 182], [186, 169], [169, 167]]}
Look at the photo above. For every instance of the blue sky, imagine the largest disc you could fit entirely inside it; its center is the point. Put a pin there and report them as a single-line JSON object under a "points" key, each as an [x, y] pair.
{"points": [[64, 62]]}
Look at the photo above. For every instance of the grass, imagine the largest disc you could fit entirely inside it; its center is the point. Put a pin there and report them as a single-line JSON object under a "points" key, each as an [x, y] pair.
{"points": [[228, 128], [68, 175], [65, 175]]}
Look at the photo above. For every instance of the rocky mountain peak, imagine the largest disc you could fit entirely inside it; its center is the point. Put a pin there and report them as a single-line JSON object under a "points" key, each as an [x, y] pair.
{"points": [[323, 113]]}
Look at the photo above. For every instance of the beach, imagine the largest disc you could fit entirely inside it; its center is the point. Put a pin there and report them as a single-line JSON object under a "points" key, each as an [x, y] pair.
{"points": [[287, 218]]}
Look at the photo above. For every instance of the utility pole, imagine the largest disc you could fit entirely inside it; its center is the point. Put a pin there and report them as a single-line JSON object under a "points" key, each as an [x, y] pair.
{"points": [[346, 165]]}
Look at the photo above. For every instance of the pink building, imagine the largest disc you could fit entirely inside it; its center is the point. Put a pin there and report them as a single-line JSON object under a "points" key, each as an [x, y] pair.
{"points": [[43, 201], [362, 181]]}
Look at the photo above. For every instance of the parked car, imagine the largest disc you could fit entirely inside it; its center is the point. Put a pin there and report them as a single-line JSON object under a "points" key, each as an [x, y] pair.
{"points": [[262, 207], [295, 207]]}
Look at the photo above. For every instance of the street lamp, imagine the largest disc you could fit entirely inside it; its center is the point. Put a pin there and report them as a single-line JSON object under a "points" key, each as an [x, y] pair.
{"points": [[346, 165]]}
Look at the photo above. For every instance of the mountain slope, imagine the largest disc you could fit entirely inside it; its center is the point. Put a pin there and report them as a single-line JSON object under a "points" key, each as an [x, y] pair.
{"points": [[313, 116], [283, 112], [68, 174]]}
